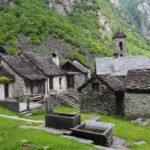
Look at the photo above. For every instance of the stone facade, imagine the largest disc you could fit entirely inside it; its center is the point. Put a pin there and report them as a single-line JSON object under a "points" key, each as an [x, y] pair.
{"points": [[79, 79], [20, 87], [19, 83], [118, 43], [137, 104], [102, 101]]}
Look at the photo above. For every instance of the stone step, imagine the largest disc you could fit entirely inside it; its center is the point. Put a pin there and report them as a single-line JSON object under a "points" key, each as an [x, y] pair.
{"points": [[26, 113], [69, 101]]}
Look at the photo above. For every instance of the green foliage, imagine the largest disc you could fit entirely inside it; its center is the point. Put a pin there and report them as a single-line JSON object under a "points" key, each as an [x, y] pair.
{"points": [[4, 80], [36, 20]]}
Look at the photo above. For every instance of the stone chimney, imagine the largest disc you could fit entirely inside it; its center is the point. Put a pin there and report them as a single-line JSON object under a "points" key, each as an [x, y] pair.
{"points": [[116, 64], [55, 58]]}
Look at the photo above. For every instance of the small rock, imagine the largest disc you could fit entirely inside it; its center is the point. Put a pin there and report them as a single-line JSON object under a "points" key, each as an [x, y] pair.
{"points": [[140, 143], [46, 148]]}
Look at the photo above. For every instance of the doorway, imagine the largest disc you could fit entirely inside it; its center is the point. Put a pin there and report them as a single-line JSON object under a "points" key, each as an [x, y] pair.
{"points": [[70, 82], [120, 103]]}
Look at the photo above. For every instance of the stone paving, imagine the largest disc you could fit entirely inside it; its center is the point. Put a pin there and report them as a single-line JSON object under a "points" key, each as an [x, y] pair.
{"points": [[21, 119]]}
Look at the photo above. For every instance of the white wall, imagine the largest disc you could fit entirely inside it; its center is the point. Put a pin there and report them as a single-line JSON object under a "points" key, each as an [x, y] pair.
{"points": [[56, 86], [11, 90], [2, 91], [2, 94]]}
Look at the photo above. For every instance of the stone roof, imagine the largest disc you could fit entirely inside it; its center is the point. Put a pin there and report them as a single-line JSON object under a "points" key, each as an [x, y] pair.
{"points": [[47, 66], [79, 67], [138, 80], [24, 67], [5, 73], [119, 35], [106, 65], [112, 82]]}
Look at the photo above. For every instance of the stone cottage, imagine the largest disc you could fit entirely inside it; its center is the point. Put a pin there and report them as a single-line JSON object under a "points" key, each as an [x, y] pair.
{"points": [[28, 79], [36, 74], [104, 94], [77, 73], [137, 95], [120, 63]]}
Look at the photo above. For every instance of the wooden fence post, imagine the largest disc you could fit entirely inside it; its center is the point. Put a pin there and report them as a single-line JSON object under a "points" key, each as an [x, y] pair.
{"points": [[28, 104]]}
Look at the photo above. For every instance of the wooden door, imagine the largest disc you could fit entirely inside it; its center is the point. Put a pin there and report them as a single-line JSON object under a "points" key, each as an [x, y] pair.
{"points": [[6, 89], [70, 82]]}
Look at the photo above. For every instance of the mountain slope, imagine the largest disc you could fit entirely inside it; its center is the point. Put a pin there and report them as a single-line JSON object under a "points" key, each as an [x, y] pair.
{"points": [[87, 28], [139, 10]]}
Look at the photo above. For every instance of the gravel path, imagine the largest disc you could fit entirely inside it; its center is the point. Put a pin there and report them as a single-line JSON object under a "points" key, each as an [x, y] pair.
{"points": [[21, 119]]}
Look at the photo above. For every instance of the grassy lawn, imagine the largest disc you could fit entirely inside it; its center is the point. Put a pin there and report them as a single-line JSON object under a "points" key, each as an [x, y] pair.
{"points": [[11, 138], [124, 129]]}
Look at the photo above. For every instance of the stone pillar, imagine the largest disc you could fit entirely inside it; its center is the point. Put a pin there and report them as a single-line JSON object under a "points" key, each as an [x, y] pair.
{"points": [[49, 104]]}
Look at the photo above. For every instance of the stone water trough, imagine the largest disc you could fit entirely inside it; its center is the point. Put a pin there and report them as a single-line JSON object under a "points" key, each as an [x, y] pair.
{"points": [[62, 121], [100, 133]]}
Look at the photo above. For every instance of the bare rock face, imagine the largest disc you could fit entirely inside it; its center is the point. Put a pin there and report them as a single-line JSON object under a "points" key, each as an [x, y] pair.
{"points": [[7, 2], [144, 9], [65, 7], [116, 3], [103, 21]]}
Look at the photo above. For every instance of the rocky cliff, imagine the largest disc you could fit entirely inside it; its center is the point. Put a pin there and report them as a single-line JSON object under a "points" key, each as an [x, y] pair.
{"points": [[138, 12], [144, 9], [65, 7]]}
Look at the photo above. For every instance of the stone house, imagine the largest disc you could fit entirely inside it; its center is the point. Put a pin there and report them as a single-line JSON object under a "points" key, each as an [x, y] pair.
{"points": [[137, 95], [36, 74], [104, 94], [28, 79], [63, 78], [77, 73]]}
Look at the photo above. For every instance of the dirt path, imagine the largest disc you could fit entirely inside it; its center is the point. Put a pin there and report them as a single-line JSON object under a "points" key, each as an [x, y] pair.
{"points": [[21, 119]]}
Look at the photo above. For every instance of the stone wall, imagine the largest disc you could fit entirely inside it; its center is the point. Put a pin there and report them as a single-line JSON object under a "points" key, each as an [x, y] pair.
{"points": [[79, 79], [137, 104], [117, 48], [15, 106], [102, 101], [19, 82]]}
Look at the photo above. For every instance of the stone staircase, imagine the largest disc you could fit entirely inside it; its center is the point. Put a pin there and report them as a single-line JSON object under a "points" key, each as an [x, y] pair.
{"points": [[67, 100]]}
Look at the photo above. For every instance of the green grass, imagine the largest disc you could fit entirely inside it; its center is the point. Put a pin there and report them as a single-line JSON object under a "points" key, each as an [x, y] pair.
{"points": [[123, 127], [11, 138]]}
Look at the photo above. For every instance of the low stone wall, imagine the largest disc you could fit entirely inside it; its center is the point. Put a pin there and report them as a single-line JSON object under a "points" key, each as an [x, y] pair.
{"points": [[102, 101], [137, 105], [15, 106]]}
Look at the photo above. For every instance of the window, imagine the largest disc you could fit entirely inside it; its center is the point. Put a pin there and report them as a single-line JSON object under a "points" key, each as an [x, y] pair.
{"points": [[60, 82], [95, 86], [121, 46], [51, 83]]}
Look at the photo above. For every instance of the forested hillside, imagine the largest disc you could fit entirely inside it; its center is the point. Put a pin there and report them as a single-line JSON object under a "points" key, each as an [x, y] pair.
{"points": [[87, 28]]}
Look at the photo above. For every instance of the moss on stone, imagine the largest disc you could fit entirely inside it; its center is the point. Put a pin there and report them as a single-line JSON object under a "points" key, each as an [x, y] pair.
{"points": [[4, 80]]}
